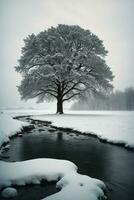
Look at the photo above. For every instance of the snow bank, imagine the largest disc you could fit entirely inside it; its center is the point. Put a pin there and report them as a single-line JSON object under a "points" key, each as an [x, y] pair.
{"points": [[115, 127], [33, 171], [80, 187], [72, 185], [9, 127]]}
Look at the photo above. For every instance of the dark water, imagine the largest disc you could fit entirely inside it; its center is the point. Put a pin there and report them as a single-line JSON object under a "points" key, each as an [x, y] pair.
{"points": [[112, 164]]}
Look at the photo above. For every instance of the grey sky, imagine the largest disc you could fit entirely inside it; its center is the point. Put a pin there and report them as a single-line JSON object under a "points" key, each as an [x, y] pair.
{"points": [[111, 20]]}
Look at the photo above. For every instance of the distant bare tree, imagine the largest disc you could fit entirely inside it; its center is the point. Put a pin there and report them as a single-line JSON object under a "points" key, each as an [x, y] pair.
{"points": [[118, 100], [129, 94]]}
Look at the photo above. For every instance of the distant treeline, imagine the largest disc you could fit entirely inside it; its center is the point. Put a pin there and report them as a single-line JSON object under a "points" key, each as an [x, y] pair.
{"points": [[118, 100]]}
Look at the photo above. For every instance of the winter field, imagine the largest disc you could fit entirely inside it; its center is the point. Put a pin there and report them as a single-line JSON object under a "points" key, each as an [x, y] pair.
{"points": [[114, 126], [71, 184]]}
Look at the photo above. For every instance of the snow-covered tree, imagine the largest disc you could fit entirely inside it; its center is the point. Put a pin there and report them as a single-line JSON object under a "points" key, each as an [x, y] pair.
{"points": [[63, 63]]}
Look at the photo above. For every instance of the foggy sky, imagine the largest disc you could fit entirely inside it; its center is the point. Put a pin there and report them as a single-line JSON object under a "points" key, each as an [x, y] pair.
{"points": [[112, 21]]}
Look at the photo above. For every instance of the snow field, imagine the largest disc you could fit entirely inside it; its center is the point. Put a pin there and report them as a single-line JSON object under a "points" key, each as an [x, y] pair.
{"points": [[114, 127], [9, 127], [72, 185]]}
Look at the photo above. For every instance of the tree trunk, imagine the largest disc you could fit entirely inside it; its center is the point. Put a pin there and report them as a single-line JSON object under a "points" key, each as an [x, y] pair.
{"points": [[59, 100], [59, 106]]}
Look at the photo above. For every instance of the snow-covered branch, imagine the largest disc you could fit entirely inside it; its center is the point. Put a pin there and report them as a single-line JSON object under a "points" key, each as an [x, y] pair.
{"points": [[65, 62]]}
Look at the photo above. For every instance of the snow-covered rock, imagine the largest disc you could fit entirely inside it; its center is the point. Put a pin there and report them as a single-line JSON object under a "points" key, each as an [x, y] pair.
{"points": [[72, 185], [9, 192]]}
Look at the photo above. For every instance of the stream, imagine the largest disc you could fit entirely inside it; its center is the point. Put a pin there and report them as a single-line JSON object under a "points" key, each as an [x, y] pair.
{"points": [[112, 164]]}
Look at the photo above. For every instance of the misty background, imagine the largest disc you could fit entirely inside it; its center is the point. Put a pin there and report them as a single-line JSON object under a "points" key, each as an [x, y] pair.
{"points": [[112, 21]]}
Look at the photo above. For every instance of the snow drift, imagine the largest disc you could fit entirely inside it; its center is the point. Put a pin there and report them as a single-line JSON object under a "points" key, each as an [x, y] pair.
{"points": [[9, 127], [72, 185]]}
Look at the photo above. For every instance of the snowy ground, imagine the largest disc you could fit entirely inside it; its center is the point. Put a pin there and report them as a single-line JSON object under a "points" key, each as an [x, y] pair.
{"points": [[114, 126], [72, 185], [9, 127]]}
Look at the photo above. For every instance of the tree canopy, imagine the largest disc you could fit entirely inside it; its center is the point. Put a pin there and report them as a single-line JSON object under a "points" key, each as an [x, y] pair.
{"points": [[63, 63]]}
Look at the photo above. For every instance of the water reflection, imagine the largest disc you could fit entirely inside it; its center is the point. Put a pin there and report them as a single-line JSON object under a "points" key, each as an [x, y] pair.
{"points": [[59, 136]]}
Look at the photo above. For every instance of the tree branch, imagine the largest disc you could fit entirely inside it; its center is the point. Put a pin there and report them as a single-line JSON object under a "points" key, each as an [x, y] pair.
{"points": [[68, 98], [34, 65], [65, 93], [48, 92]]}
